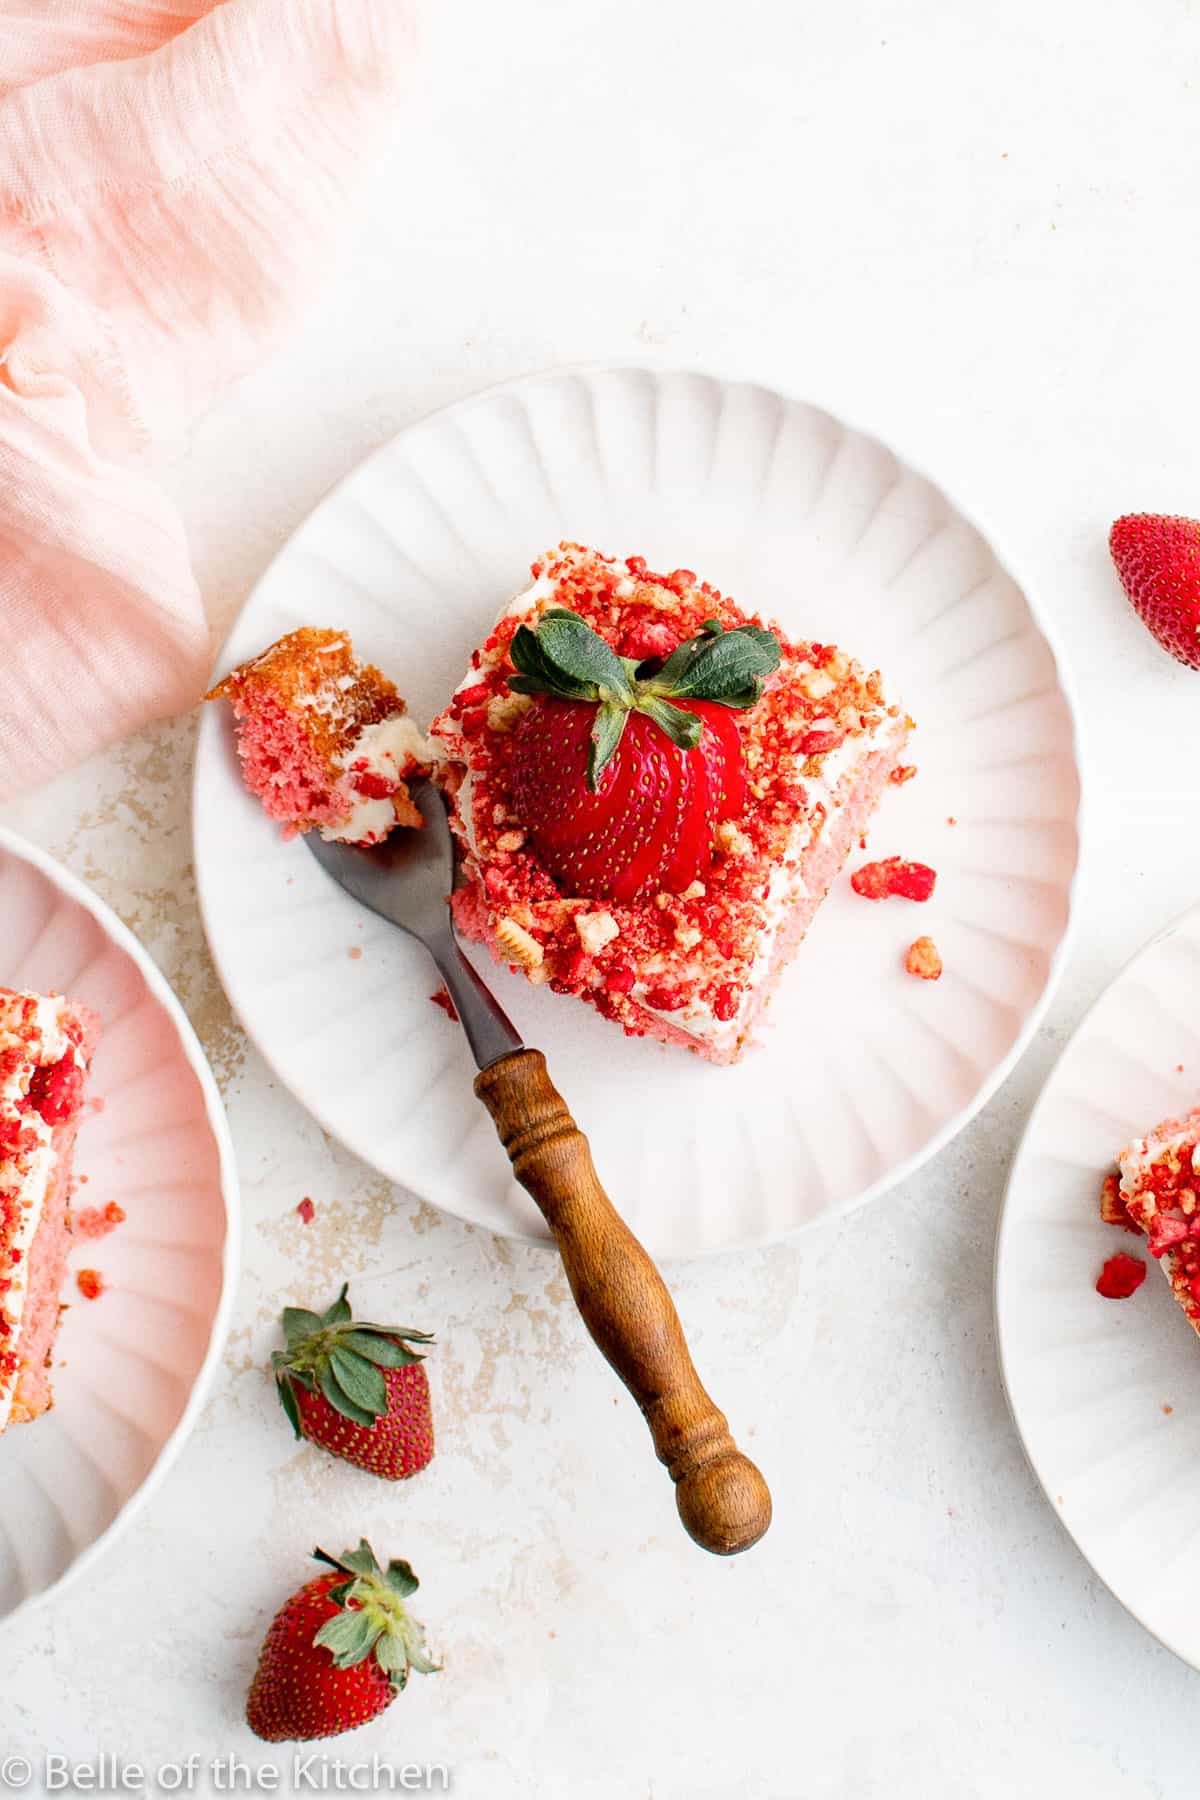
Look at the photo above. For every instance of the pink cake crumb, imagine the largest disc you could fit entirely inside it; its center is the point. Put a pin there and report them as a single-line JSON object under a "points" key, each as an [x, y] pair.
{"points": [[307, 1210], [91, 1283], [442, 999], [323, 738], [354, 952]]}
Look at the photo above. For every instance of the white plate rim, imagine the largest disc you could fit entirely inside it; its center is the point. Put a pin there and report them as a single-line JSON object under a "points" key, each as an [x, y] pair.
{"points": [[658, 364], [1043, 1480], [118, 933]]}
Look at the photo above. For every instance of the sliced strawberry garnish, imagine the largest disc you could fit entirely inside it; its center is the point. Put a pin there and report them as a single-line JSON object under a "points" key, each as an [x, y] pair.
{"points": [[621, 771]]}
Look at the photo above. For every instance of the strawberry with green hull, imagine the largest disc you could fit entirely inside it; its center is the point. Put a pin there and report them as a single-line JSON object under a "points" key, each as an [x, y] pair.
{"points": [[623, 770], [357, 1389], [340, 1650]]}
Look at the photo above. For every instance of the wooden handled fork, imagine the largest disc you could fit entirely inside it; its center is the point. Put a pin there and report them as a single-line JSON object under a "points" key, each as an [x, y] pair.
{"points": [[723, 1500]]}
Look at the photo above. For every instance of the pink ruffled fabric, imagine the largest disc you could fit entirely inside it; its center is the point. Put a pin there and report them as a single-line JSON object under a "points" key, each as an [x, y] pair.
{"points": [[172, 180]]}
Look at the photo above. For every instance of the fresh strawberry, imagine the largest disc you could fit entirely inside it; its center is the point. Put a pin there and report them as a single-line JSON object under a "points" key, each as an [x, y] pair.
{"points": [[356, 1389], [1158, 560], [622, 770], [338, 1652]]}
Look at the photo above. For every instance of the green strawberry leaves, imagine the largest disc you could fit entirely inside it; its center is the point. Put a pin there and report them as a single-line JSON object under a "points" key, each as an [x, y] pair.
{"points": [[564, 653], [727, 666], [683, 728], [400, 1577], [607, 727], [372, 1618], [343, 1358], [379, 1350], [350, 1637], [359, 1380], [565, 659]]}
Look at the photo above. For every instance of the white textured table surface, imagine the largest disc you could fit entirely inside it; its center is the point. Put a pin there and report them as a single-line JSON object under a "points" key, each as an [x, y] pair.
{"points": [[963, 229]]}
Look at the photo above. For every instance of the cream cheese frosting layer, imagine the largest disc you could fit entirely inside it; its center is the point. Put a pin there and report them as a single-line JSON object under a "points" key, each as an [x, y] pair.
{"points": [[390, 749]]}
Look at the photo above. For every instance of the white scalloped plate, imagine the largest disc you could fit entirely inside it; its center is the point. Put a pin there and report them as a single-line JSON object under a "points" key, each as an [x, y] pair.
{"points": [[133, 1366], [863, 1071], [1088, 1378]]}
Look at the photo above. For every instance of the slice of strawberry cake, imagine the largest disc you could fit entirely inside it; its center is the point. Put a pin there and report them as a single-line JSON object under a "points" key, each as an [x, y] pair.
{"points": [[1160, 1192], [45, 1047], [324, 739], [654, 791]]}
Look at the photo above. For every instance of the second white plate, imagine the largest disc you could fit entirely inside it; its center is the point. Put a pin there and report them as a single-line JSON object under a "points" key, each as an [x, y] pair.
{"points": [[863, 1071], [1106, 1393]]}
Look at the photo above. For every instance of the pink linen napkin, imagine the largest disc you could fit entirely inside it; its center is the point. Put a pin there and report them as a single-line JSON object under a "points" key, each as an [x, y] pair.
{"points": [[172, 179]]}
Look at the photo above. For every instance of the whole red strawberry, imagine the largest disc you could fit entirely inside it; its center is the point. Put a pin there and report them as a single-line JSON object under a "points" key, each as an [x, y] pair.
{"points": [[1158, 560], [338, 1652], [356, 1389], [623, 770]]}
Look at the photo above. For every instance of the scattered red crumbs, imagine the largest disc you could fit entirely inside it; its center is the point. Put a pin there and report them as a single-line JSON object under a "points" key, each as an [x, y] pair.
{"points": [[902, 772], [951, 820], [1168, 1409], [90, 1283], [924, 960], [97, 1103], [442, 999], [307, 1210], [97, 1221], [906, 880], [818, 743], [1179, 1068], [1121, 1276], [354, 952]]}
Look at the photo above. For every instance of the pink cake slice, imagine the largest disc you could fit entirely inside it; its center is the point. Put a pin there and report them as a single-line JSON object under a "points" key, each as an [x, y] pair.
{"points": [[325, 741], [695, 968], [1160, 1192], [46, 1044]]}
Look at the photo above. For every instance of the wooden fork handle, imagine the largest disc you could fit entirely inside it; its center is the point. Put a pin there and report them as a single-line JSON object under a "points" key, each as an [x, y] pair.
{"points": [[723, 1500]]}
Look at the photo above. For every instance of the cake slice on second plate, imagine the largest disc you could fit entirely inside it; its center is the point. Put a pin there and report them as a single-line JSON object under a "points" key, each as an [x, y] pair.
{"points": [[325, 741], [45, 1048], [1160, 1191], [654, 792]]}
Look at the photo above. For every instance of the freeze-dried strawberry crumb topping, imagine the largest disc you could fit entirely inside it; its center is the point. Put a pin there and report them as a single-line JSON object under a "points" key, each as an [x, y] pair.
{"points": [[677, 953], [1121, 1276], [56, 1091], [894, 878]]}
